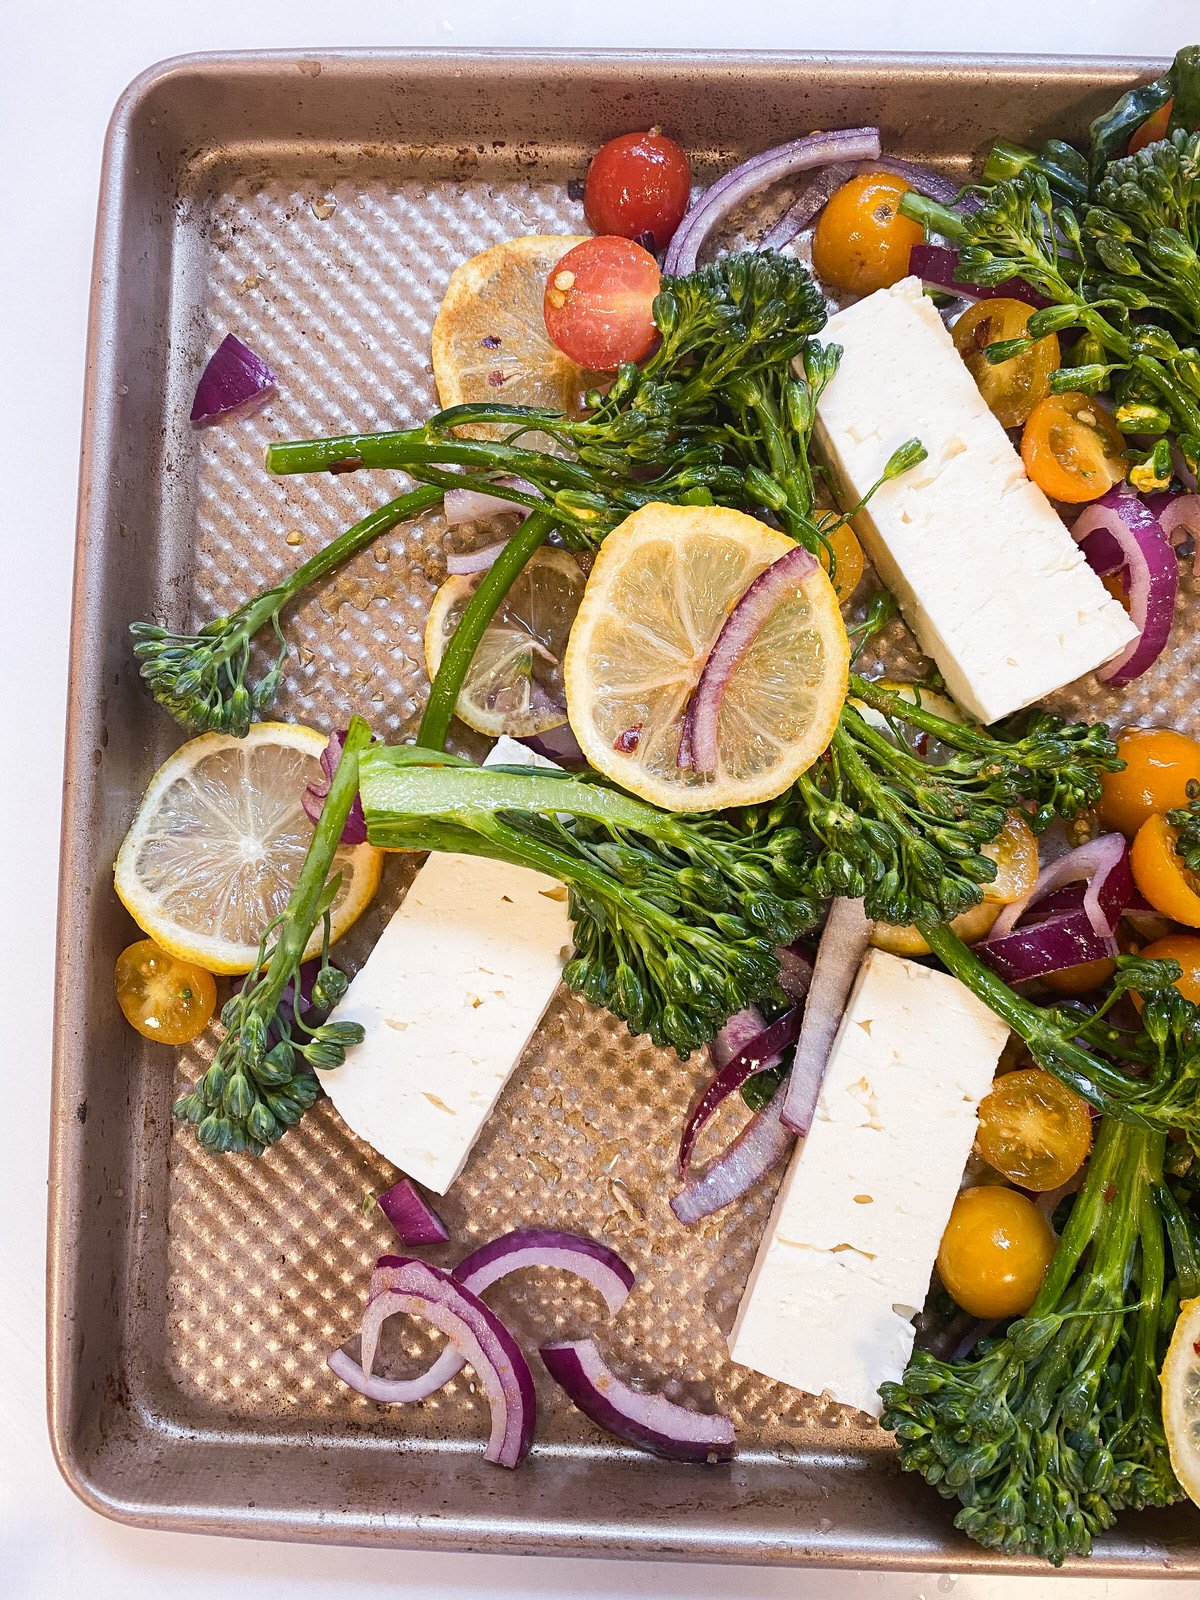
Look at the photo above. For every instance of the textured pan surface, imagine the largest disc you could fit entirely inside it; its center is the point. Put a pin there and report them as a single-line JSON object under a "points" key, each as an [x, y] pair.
{"points": [[316, 208]]}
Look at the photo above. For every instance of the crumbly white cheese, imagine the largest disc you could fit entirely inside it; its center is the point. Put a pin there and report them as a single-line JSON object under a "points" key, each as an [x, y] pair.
{"points": [[449, 997], [847, 1257], [989, 579]]}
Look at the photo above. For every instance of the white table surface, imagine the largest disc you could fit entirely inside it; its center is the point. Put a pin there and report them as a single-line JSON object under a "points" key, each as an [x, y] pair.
{"points": [[62, 67]]}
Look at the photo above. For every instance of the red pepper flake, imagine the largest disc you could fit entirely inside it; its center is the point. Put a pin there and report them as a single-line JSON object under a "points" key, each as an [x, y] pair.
{"points": [[492, 342], [626, 743], [1196, 1347], [1110, 1194], [497, 378], [346, 464]]}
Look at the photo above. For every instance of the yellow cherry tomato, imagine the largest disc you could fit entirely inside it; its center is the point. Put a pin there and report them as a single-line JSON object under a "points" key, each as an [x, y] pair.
{"points": [[847, 560], [1073, 981], [862, 242], [1015, 852], [1154, 128], [1161, 875], [905, 939], [162, 997], [1072, 448], [1184, 948], [1034, 1130], [1012, 388], [995, 1251], [1159, 765]]}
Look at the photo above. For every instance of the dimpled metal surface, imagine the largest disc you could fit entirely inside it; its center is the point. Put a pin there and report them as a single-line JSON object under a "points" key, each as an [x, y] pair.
{"points": [[294, 202]]}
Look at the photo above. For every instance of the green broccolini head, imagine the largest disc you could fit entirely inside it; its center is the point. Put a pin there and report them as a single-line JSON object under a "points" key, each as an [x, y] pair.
{"points": [[200, 678], [1019, 232]]}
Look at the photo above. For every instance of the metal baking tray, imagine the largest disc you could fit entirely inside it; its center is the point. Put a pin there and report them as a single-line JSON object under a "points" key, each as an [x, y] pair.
{"points": [[315, 204]]}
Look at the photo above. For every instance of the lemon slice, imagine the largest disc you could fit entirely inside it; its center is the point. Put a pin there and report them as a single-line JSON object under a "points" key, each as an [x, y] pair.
{"points": [[217, 842], [515, 681], [1180, 1380], [660, 591], [490, 340]]}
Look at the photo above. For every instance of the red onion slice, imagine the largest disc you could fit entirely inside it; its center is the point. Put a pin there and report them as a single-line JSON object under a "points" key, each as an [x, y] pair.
{"points": [[408, 1211], [395, 1391], [742, 1028], [650, 1421], [313, 798], [936, 265], [1120, 533], [474, 505], [762, 1144], [1101, 864], [811, 199], [1178, 517], [798, 155], [795, 972], [934, 185], [759, 1054], [1050, 945], [556, 744], [236, 383], [478, 1336], [461, 564], [844, 942], [738, 632], [595, 1263]]}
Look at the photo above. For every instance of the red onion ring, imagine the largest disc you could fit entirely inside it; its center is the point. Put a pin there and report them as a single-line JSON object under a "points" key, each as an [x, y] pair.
{"points": [[746, 179], [738, 632], [235, 383], [761, 1146], [1102, 865], [1178, 517], [758, 1054], [478, 1335], [1120, 533], [936, 264], [650, 1421], [408, 1211], [811, 199], [844, 941]]}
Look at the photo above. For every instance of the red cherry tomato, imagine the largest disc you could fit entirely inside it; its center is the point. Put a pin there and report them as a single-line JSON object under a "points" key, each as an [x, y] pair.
{"points": [[599, 303], [638, 184]]}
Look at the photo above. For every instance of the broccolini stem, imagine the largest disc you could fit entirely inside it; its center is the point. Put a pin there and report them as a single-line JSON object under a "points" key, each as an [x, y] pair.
{"points": [[418, 447], [480, 609], [338, 551]]}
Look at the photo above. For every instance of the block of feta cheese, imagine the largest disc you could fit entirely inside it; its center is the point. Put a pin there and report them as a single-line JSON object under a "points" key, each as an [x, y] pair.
{"points": [[449, 998], [846, 1259], [988, 577]]}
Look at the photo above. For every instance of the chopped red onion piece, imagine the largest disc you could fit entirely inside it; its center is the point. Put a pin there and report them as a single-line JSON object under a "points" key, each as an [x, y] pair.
{"points": [[650, 1421], [408, 1211], [1050, 945], [236, 383], [758, 1149], [758, 1054], [478, 1336], [1120, 533], [474, 505], [936, 265], [844, 941], [742, 1028], [799, 155], [313, 798], [738, 632], [556, 744]]}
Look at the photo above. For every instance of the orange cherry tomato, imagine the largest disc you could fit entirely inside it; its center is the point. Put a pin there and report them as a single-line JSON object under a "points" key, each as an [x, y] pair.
{"points": [[847, 560], [995, 1251], [1011, 388], [162, 997], [862, 242], [1073, 981], [1161, 875], [1034, 1130], [1154, 128], [1159, 765], [1072, 448], [1184, 948], [638, 184], [599, 303]]}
